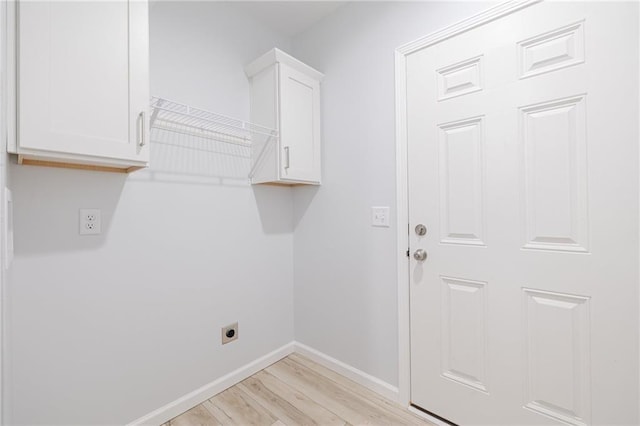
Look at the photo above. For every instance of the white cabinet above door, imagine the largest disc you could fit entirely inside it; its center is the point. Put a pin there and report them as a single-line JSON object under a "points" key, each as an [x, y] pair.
{"points": [[83, 83]]}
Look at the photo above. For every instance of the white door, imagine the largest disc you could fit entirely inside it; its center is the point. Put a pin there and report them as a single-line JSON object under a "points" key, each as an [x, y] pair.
{"points": [[523, 166], [83, 77]]}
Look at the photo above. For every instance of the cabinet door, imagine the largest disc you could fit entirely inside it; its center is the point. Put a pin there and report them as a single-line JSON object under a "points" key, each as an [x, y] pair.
{"points": [[83, 79], [299, 126]]}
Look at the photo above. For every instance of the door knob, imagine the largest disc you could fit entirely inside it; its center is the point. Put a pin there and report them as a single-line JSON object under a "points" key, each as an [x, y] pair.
{"points": [[420, 255]]}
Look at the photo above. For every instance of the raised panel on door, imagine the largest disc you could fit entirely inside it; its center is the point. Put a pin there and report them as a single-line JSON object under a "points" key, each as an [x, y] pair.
{"points": [[83, 78], [557, 354], [461, 181], [299, 126], [554, 169], [464, 340]]}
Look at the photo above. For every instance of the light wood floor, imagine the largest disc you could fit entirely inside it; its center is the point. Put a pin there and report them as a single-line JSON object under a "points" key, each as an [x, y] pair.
{"points": [[297, 391]]}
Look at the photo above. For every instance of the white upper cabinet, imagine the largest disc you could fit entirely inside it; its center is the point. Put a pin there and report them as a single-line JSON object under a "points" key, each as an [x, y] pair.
{"points": [[285, 95], [83, 83]]}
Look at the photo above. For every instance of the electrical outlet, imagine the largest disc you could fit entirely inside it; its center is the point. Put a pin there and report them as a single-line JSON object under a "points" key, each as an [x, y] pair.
{"points": [[380, 216], [229, 333], [90, 223]]}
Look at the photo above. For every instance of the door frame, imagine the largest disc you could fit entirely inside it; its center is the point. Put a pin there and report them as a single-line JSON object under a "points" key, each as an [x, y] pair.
{"points": [[402, 177]]}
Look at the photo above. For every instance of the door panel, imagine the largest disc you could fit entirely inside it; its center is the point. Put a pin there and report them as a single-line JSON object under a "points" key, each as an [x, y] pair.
{"points": [[554, 169], [462, 182], [464, 339], [557, 343], [523, 165]]}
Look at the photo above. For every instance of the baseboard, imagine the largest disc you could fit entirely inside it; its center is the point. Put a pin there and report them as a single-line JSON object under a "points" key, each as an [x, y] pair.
{"points": [[373, 383], [179, 406]]}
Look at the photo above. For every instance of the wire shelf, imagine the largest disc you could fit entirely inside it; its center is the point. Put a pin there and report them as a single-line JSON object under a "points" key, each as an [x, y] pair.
{"points": [[180, 118]]}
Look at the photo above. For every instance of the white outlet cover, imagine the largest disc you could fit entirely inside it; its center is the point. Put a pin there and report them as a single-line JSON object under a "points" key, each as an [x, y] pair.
{"points": [[90, 222], [380, 216]]}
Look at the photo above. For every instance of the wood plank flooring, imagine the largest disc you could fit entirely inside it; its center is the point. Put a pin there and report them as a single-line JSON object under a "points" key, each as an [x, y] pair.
{"points": [[296, 391]]}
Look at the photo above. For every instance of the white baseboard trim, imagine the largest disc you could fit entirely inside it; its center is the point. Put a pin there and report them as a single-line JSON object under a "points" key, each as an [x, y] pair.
{"points": [[180, 405], [373, 383]]}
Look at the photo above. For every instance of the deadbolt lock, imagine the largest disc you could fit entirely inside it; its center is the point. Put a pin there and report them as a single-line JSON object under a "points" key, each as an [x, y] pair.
{"points": [[421, 229]]}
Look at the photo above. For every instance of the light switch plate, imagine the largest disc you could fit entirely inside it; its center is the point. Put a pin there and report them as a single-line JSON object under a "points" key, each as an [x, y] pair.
{"points": [[380, 216]]}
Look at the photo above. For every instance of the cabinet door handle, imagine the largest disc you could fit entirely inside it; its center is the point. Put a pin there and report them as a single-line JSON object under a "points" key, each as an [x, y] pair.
{"points": [[286, 157], [142, 141]]}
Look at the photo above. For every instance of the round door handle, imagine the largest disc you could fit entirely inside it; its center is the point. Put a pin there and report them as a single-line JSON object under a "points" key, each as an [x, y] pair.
{"points": [[420, 255]]}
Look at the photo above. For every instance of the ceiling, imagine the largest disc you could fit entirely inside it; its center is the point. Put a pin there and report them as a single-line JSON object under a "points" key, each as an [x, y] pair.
{"points": [[288, 17]]}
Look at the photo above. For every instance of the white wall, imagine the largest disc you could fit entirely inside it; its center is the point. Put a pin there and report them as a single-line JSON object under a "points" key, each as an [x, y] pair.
{"points": [[345, 270], [104, 329]]}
